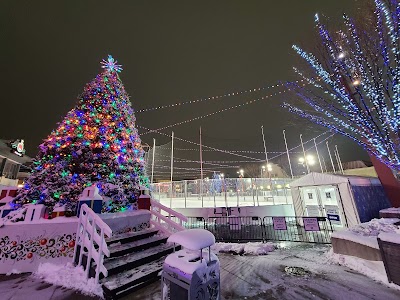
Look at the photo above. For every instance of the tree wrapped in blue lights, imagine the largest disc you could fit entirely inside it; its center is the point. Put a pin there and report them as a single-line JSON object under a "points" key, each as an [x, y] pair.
{"points": [[96, 143], [216, 183], [354, 88]]}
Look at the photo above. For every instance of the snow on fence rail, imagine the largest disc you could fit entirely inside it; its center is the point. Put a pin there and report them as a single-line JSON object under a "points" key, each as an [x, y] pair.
{"points": [[166, 223], [90, 240]]}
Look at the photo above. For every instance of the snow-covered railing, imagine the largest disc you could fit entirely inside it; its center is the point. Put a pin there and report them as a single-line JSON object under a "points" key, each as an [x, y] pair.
{"points": [[165, 223], [90, 241]]}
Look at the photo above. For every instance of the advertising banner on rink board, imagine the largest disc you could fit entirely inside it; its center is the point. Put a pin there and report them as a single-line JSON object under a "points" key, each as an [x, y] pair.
{"points": [[311, 224], [279, 223]]}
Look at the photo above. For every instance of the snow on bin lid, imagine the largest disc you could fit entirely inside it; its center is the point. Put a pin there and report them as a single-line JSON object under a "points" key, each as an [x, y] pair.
{"points": [[193, 239]]}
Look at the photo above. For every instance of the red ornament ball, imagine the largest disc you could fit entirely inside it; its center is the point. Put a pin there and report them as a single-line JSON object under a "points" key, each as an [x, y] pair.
{"points": [[62, 249], [29, 255], [14, 243], [71, 244], [43, 242]]}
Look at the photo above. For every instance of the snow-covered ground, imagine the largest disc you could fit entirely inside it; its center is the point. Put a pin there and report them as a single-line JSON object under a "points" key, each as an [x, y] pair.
{"points": [[264, 277], [257, 248], [70, 277], [372, 269], [249, 277]]}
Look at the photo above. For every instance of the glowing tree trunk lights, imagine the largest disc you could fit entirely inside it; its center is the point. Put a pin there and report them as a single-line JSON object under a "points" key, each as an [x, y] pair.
{"points": [[355, 85]]}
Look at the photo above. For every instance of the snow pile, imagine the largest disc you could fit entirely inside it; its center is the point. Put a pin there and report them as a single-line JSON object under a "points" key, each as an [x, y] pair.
{"points": [[375, 227], [245, 248], [193, 239], [70, 277], [13, 271], [391, 210], [372, 269], [366, 233], [13, 216]]}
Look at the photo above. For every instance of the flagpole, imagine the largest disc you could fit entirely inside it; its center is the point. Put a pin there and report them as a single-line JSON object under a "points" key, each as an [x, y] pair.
{"points": [[330, 156], [304, 153], [287, 152], [267, 166], [265, 149], [201, 171], [339, 160], [152, 164], [172, 168], [323, 160], [319, 159]]}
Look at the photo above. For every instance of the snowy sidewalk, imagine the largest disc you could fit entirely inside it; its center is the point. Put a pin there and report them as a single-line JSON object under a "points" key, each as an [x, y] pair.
{"points": [[23, 287], [264, 278], [246, 277]]}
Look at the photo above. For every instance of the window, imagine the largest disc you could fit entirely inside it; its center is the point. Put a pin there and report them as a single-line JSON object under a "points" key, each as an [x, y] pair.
{"points": [[328, 195], [10, 170], [310, 195]]}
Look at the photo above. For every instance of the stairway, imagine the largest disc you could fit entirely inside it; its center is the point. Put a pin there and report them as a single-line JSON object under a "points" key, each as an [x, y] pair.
{"points": [[135, 261]]}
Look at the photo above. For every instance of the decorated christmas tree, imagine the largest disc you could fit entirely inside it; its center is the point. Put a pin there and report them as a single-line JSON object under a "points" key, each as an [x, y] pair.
{"points": [[96, 143]]}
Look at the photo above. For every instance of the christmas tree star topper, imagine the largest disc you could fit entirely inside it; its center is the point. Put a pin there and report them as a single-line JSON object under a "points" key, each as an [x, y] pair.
{"points": [[111, 64]]}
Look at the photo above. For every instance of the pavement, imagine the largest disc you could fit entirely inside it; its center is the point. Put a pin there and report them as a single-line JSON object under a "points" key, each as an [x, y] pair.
{"points": [[245, 277]]}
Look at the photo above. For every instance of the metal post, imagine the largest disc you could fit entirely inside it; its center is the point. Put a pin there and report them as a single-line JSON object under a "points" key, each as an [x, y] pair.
{"points": [[330, 156], [266, 156], [319, 159], [257, 190], [326, 169], [213, 189], [252, 191], [226, 200], [152, 164], [287, 152], [172, 168], [185, 191], [237, 192], [339, 160], [304, 153], [201, 171]]}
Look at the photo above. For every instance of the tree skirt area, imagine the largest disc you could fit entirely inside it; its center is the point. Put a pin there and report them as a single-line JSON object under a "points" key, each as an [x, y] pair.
{"points": [[292, 271]]}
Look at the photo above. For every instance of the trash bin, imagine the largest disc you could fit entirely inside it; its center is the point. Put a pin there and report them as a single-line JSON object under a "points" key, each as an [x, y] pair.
{"points": [[192, 271], [144, 202]]}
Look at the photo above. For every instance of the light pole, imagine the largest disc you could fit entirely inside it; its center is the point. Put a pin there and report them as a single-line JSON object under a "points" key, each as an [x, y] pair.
{"points": [[307, 162]]}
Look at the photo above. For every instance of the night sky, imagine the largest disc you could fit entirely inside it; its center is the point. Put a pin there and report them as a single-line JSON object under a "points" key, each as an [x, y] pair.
{"points": [[171, 51]]}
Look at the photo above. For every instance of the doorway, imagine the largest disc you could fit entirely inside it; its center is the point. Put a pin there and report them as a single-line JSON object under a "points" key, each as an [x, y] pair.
{"points": [[323, 201]]}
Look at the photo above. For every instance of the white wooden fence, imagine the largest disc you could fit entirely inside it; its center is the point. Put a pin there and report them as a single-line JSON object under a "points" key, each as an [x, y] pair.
{"points": [[90, 240], [163, 222]]}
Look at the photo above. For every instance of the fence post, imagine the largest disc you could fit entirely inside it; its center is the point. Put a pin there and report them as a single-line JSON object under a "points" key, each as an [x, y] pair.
{"points": [[252, 191], [226, 199], [237, 191], [185, 191], [257, 190]]}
